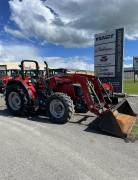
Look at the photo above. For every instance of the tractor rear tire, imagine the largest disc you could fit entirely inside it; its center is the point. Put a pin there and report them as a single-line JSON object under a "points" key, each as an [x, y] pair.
{"points": [[60, 108], [16, 100]]}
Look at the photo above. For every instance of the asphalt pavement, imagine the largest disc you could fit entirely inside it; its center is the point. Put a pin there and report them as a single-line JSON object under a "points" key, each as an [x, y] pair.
{"points": [[34, 149]]}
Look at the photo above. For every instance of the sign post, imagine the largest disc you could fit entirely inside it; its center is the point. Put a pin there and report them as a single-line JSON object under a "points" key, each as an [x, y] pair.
{"points": [[108, 57]]}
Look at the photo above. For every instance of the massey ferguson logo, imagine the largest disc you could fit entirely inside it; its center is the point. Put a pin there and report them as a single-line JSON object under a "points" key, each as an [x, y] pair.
{"points": [[110, 36], [103, 59]]}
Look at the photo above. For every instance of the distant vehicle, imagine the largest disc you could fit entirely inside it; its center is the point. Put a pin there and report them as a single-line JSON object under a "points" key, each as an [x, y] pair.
{"points": [[6, 75]]}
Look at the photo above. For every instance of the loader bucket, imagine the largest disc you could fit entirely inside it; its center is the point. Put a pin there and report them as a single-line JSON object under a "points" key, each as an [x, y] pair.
{"points": [[118, 121]]}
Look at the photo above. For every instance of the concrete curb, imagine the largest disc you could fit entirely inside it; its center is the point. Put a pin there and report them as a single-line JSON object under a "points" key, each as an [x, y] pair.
{"points": [[125, 95], [121, 95], [132, 95]]}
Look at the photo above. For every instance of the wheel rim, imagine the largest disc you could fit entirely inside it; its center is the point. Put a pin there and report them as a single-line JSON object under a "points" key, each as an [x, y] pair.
{"points": [[57, 108], [14, 101]]}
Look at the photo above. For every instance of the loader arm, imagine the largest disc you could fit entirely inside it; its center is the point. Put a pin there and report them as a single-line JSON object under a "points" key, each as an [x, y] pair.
{"points": [[97, 87], [88, 87]]}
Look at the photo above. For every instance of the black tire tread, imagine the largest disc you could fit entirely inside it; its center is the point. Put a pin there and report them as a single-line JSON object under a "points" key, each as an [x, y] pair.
{"points": [[24, 109], [69, 103]]}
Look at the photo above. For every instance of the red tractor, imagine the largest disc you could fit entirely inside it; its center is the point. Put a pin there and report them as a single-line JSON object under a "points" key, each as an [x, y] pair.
{"points": [[106, 88], [26, 94], [6, 75], [59, 95]]}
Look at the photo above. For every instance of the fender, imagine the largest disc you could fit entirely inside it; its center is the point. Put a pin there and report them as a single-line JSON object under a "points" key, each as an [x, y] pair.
{"points": [[23, 85]]}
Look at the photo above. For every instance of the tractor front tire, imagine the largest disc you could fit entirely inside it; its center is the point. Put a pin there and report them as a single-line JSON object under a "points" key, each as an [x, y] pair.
{"points": [[16, 100], [60, 108]]}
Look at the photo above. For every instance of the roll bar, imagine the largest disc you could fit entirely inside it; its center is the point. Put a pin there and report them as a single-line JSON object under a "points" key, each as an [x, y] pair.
{"points": [[32, 61]]}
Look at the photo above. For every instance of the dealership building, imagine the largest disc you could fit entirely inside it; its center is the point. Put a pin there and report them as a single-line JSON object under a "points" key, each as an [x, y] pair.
{"points": [[129, 73]]}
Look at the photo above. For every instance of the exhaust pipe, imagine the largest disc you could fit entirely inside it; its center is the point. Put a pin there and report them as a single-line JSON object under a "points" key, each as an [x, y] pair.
{"points": [[47, 69]]}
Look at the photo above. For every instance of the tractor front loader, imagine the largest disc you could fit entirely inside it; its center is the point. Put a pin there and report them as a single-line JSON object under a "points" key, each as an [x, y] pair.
{"points": [[88, 94]]}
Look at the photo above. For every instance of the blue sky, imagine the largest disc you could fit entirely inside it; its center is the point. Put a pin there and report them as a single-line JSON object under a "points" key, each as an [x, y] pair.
{"points": [[62, 31]]}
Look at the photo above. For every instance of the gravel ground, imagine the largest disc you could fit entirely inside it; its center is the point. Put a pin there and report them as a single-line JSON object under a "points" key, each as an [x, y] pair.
{"points": [[33, 149], [134, 103]]}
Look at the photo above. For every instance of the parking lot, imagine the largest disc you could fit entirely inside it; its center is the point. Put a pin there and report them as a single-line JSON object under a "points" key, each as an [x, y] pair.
{"points": [[32, 148]]}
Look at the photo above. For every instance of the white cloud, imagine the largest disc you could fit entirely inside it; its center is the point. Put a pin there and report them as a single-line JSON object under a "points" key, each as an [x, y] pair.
{"points": [[35, 20], [72, 23], [17, 52], [128, 62], [128, 58], [128, 65], [15, 33], [80, 63]]}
